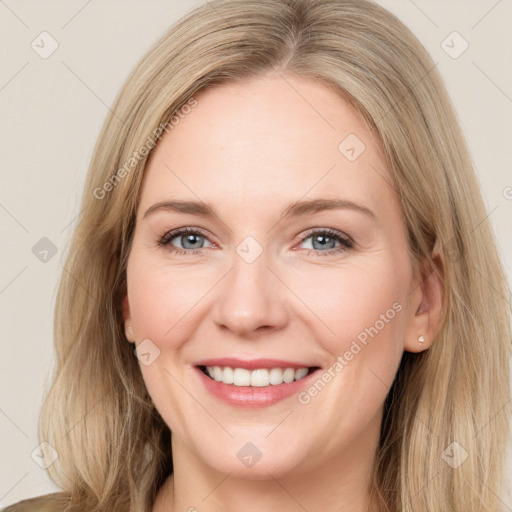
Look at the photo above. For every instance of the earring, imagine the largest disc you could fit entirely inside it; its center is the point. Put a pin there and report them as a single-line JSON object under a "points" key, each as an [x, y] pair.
{"points": [[421, 339]]}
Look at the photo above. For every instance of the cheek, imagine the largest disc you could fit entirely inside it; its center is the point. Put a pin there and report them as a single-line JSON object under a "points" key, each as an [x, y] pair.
{"points": [[162, 301], [161, 307], [362, 303], [360, 311]]}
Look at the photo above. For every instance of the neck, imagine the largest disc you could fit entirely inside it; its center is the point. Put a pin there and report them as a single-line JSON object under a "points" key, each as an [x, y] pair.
{"points": [[342, 483]]}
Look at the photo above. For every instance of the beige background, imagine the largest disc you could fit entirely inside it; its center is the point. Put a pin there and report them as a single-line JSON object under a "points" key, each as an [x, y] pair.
{"points": [[52, 110]]}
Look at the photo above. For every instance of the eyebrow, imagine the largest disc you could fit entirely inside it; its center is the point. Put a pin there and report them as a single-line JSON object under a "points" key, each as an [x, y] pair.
{"points": [[296, 209], [317, 205]]}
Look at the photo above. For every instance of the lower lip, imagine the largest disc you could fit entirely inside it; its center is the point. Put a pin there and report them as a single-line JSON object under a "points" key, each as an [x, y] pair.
{"points": [[253, 397]]}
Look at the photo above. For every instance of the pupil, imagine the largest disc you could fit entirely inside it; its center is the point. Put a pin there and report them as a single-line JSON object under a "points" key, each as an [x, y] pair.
{"points": [[324, 240], [190, 239]]}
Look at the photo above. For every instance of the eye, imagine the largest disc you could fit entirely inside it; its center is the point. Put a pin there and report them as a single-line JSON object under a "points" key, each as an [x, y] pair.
{"points": [[326, 241], [191, 240]]}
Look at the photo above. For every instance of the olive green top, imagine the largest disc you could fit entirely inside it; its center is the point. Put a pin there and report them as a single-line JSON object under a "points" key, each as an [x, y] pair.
{"points": [[55, 502]]}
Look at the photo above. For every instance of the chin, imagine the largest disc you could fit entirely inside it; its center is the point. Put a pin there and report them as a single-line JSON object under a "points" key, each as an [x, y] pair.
{"points": [[256, 460]]}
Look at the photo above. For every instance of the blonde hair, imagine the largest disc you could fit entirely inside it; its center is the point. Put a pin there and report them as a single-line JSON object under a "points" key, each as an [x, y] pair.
{"points": [[114, 448]]}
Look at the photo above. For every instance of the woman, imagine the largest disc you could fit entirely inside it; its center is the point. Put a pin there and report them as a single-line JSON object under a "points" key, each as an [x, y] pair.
{"points": [[281, 218]]}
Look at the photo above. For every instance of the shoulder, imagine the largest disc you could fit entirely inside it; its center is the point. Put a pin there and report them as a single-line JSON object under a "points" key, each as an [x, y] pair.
{"points": [[55, 502]]}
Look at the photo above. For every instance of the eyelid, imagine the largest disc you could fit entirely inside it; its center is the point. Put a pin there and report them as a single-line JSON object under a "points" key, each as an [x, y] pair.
{"points": [[347, 242], [166, 238], [330, 231]]}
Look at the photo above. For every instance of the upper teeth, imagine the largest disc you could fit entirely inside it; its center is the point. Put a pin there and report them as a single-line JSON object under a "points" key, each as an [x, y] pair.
{"points": [[258, 378]]}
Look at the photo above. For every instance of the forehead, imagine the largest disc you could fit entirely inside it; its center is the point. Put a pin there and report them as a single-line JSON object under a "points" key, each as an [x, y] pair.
{"points": [[278, 136]]}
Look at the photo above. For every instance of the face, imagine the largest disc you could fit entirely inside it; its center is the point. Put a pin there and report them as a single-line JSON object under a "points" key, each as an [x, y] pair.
{"points": [[270, 252]]}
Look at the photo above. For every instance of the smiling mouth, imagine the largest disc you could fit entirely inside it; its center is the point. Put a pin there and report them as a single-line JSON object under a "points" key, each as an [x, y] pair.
{"points": [[259, 377]]}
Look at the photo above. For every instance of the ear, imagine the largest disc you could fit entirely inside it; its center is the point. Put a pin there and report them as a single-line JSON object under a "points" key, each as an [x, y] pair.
{"points": [[427, 302], [128, 329]]}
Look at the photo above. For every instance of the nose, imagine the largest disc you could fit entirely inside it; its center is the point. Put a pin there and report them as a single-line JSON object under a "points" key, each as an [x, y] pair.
{"points": [[251, 299]]}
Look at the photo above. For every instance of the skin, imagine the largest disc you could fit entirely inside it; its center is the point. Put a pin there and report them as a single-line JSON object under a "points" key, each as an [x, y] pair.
{"points": [[249, 150]]}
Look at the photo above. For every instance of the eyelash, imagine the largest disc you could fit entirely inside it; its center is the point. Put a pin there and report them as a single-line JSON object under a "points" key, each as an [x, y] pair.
{"points": [[346, 242]]}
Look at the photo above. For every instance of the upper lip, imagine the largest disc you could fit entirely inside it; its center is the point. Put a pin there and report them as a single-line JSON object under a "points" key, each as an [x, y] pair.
{"points": [[252, 364]]}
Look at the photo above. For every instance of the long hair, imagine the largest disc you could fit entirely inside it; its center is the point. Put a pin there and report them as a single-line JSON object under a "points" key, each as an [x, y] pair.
{"points": [[446, 417]]}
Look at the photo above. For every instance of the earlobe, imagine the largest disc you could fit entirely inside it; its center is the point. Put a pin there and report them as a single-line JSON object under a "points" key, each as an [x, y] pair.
{"points": [[428, 300], [128, 332], [128, 329]]}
